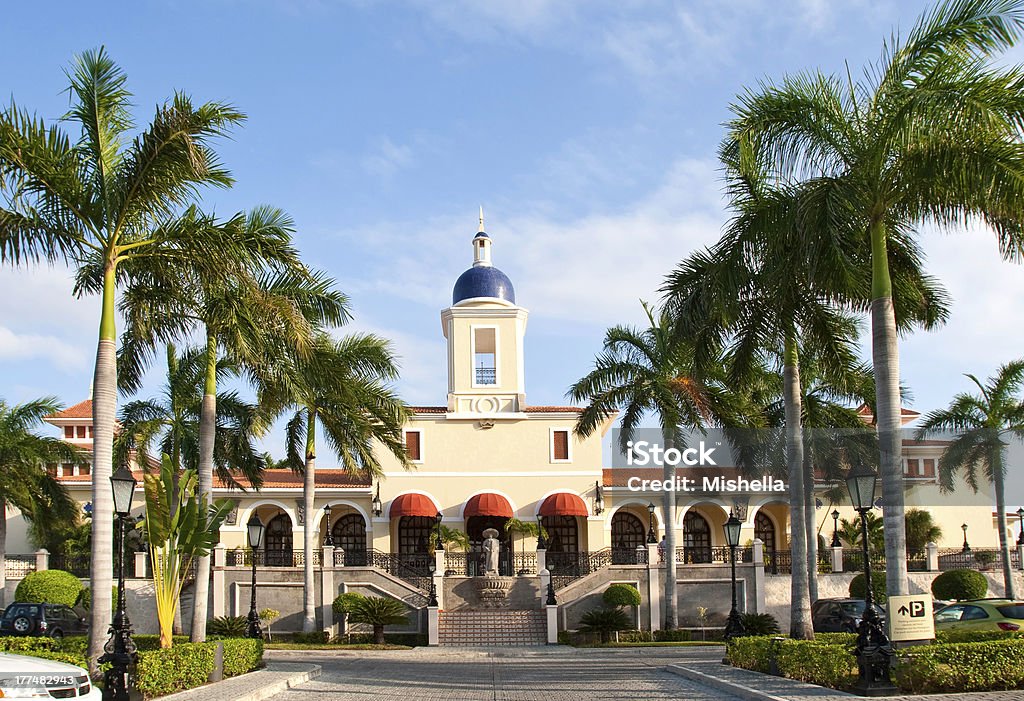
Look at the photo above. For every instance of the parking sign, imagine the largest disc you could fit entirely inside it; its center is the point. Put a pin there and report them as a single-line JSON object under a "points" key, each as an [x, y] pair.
{"points": [[910, 618]]}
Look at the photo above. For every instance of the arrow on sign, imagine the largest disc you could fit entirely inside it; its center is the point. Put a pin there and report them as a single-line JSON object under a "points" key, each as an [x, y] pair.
{"points": [[903, 610]]}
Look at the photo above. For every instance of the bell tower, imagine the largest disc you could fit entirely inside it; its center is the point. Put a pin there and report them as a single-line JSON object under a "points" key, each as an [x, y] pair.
{"points": [[485, 331]]}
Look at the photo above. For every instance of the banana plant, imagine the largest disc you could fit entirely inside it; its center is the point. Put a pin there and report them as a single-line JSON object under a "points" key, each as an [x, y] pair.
{"points": [[181, 527]]}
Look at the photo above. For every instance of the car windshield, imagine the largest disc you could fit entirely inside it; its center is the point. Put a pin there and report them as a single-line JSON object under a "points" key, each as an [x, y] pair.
{"points": [[20, 610], [856, 608], [1012, 610]]}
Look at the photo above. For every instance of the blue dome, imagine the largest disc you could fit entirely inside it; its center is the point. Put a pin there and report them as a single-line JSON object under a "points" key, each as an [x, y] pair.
{"points": [[483, 281]]}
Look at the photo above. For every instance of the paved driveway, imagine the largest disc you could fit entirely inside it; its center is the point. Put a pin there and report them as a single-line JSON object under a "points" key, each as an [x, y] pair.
{"points": [[531, 674]]}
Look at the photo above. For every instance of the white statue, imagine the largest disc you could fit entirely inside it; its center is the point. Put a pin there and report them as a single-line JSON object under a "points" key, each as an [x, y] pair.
{"points": [[492, 546]]}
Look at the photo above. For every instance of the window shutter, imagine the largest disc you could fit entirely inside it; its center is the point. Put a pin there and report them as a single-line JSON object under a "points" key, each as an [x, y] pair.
{"points": [[561, 445], [412, 445]]}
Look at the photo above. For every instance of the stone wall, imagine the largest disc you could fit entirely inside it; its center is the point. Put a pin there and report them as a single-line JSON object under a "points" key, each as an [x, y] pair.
{"points": [[463, 593]]}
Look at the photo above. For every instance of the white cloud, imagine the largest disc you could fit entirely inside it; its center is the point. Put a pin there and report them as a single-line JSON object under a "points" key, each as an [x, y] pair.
{"points": [[388, 158], [592, 269], [64, 356]]}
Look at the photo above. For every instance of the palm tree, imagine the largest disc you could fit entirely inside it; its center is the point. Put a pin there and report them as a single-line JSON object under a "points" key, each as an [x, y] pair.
{"points": [[24, 482], [921, 530], [274, 296], [376, 611], [340, 388], [102, 193], [929, 134], [982, 422], [649, 371], [170, 425]]}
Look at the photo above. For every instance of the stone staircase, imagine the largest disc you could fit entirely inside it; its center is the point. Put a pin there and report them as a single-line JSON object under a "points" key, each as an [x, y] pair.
{"points": [[492, 628]]}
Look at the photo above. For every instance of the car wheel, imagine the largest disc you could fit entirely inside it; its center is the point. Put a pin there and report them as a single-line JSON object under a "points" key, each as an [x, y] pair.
{"points": [[57, 634], [23, 625]]}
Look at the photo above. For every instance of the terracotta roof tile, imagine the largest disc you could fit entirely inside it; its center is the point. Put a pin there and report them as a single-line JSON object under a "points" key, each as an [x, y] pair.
{"points": [[273, 479], [82, 410], [553, 410], [429, 409]]}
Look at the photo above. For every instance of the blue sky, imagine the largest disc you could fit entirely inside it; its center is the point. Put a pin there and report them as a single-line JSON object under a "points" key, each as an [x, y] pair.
{"points": [[586, 129]]}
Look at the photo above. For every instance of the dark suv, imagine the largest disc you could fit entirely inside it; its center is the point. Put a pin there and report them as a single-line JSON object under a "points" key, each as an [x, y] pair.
{"points": [[840, 615], [54, 620]]}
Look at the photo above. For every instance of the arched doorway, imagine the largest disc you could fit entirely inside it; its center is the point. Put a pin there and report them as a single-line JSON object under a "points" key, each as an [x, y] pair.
{"points": [[628, 533], [696, 539], [475, 527], [415, 543], [563, 557], [764, 530], [277, 551], [349, 534]]}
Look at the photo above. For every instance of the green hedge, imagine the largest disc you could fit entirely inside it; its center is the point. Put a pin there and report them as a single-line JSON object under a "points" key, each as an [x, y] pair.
{"points": [[241, 655], [49, 587], [960, 585], [962, 667], [976, 636], [184, 666], [818, 662], [25, 644]]}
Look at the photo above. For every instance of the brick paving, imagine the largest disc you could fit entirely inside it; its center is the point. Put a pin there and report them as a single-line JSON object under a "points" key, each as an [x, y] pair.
{"points": [[528, 674], [555, 673]]}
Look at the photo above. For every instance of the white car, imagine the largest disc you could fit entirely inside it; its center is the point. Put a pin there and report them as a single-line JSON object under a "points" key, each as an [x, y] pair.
{"points": [[23, 677]]}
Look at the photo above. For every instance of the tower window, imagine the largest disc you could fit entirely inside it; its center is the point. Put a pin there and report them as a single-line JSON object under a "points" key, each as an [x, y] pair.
{"points": [[81, 431], [485, 356], [69, 431], [413, 446], [560, 445]]}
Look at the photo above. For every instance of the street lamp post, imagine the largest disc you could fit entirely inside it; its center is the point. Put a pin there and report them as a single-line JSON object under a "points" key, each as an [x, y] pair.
{"points": [[254, 529], [598, 499], [376, 505], [652, 535], [120, 648], [967, 547], [874, 651], [1020, 519], [734, 625], [836, 543], [440, 543], [432, 599], [328, 539]]}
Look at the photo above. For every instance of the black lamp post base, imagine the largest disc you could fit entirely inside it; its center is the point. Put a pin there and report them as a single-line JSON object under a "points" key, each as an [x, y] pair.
{"points": [[734, 626], [254, 629], [872, 688]]}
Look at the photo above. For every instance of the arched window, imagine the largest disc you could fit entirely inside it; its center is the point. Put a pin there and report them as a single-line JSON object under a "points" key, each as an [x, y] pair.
{"points": [[415, 543], [696, 539], [278, 547], [628, 533], [563, 544], [764, 530], [349, 534]]}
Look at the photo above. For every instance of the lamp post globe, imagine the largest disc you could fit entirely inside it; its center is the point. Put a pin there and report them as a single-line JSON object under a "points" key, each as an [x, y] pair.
{"points": [[440, 542], [1020, 526], [254, 531], [967, 547], [376, 505], [874, 651], [120, 648]]}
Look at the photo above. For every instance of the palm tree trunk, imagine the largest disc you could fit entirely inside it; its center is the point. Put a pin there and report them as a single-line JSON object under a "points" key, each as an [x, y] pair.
{"points": [[104, 407], [800, 603], [308, 545], [3, 552], [885, 357], [669, 505], [810, 523], [207, 435], [1009, 586]]}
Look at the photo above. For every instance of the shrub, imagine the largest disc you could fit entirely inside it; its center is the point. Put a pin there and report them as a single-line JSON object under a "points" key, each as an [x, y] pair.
{"points": [[859, 591], [317, 637], [985, 558], [848, 639], [49, 587], [241, 655], [672, 636], [976, 636], [824, 663], [343, 602], [750, 652], [604, 621], [636, 636], [227, 626], [618, 595], [85, 598], [378, 612], [962, 667], [960, 585], [20, 644], [759, 624], [185, 666]]}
